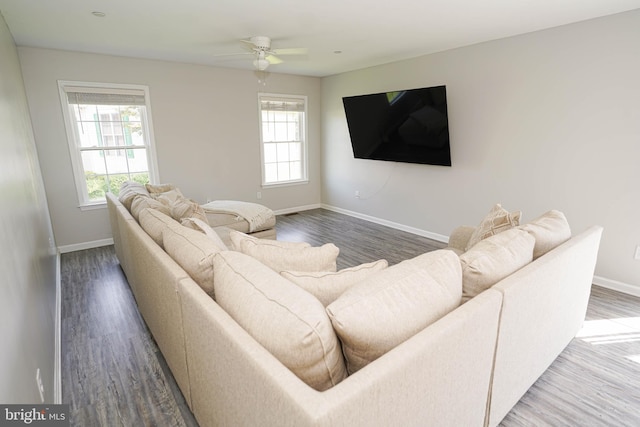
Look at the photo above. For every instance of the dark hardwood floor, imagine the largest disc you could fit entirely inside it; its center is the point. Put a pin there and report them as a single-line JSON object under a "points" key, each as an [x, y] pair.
{"points": [[112, 371], [114, 375]]}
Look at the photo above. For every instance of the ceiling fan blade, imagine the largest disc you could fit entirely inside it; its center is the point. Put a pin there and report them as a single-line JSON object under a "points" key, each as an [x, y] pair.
{"points": [[291, 51], [248, 42], [273, 60]]}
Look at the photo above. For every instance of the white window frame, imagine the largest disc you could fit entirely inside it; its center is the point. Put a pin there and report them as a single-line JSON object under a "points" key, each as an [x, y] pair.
{"points": [[73, 139], [303, 143]]}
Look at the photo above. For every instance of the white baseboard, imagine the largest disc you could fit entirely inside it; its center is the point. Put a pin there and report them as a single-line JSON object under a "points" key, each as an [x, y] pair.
{"points": [[428, 234], [297, 209], [57, 364], [86, 245], [617, 286]]}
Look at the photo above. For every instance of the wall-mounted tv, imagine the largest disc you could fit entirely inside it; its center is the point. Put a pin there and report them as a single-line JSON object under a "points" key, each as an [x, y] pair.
{"points": [[402, 126]]}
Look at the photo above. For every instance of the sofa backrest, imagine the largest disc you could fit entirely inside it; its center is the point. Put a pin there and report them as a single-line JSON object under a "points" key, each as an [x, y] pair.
{"points": [[156, 290], [440, 376]]}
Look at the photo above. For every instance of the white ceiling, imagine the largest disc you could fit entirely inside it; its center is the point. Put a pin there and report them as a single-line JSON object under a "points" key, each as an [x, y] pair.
{"points": [[366, 32]]}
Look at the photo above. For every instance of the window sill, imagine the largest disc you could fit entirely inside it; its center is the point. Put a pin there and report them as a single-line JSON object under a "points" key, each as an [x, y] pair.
{"points": [[93, 206], [285, 184]]}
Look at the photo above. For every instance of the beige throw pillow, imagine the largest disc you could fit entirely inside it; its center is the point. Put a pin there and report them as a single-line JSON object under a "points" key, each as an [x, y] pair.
{"points": [[286, 320], [328, 286], [160, 188], [186, 208], [168, 197], [392, 305], [237, 238], [493, 259], [496, 221], [281, 256], [201, 226], [153, 222], [550, 230], [194, 252], [145, 202], [323, 258], [129, 190]]}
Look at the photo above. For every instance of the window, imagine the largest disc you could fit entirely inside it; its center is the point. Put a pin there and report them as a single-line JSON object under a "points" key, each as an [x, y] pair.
{"points": [[283, 138], [110, 140]]}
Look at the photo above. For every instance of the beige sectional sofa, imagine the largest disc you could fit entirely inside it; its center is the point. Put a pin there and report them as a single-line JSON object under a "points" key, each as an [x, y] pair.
{"points": [[467, 368]]}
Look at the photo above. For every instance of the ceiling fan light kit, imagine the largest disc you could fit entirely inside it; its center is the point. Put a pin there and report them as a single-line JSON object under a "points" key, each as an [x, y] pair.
{"points": [[261, 64]]}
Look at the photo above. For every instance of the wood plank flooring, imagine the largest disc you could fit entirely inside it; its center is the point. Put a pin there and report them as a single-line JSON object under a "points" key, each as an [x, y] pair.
{"points": [[112, 371], [114, 375]]}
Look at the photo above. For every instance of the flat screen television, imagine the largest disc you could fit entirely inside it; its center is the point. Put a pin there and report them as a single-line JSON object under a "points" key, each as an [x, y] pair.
{"points": [[402, 126]]}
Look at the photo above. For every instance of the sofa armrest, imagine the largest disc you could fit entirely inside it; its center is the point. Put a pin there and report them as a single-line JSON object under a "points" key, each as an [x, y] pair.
{"points": [[460, 237], [544, 302]]}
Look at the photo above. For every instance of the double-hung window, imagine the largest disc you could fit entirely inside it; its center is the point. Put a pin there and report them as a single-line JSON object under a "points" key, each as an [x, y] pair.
{"points": [[110, 137], [283, 138]]}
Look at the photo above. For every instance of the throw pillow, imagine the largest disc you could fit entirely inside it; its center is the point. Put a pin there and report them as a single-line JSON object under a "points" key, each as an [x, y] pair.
{"points": [[159, 188], [168, 197], [143, 202], [238, 237], [128, 191], [153, 222], [201, 226], [550, 230], [278, 258], [493, 259], [496, 221], [186, 208], [194, 252], [328, 286], [286, 320], [391, 306]]}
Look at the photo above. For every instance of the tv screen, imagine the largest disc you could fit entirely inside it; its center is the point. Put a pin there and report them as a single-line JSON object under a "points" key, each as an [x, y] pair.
{"points": [[401, 126]]}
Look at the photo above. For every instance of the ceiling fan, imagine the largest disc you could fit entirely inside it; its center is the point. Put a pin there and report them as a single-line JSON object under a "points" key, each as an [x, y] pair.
{"points": [[260, 48]]}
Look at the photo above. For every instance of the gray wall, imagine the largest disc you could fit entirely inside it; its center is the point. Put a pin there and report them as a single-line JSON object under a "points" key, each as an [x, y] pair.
{"points": [[205, 123], [28, 255], [545, 120]]}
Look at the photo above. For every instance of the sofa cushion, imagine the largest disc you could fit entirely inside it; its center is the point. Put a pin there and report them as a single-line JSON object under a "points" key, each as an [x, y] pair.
{"points": [[394, 304], [194, 252], [323, 258], [238, 238], [328, 286], [186, 208], [493, 259], [168, 197], [551, 229], [153, 222], [283, 318], [201, 226], [129, 190], [145, 202], [292, 256], [496, 221], [155, 189]]}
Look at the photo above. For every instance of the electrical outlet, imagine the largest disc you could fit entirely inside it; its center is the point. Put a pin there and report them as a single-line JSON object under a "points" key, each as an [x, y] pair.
{"points": [[357, 194], [39, 385], [259, 195], [637, 254]]}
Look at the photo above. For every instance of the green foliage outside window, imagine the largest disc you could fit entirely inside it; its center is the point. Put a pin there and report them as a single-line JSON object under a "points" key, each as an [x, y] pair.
{"points": [[97, 184]]}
